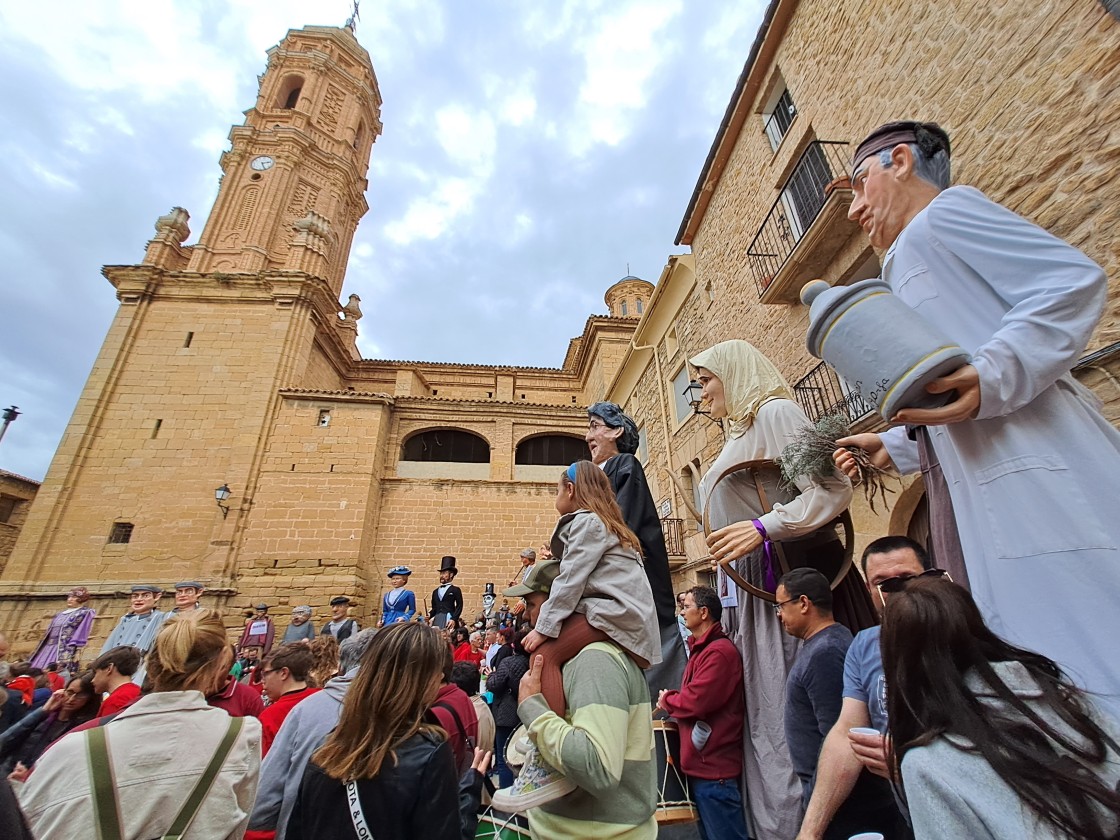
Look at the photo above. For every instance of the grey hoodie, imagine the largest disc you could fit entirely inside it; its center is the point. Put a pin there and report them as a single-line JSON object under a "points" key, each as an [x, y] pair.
{"points": [[303, 730]]}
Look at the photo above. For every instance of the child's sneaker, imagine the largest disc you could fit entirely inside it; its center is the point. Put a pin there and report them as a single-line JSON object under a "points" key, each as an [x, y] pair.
{"points": [[519, 748], [537, 784]]}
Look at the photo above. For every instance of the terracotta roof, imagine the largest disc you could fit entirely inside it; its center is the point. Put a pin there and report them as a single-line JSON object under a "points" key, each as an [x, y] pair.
{"points": [[18, 477]]}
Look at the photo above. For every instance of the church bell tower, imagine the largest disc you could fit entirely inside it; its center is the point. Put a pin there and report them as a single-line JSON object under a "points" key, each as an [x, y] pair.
{"points": [[187, 386], [293, 183]]}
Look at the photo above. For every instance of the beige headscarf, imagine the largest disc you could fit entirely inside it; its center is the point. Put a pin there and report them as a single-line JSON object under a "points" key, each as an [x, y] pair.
{"points": [[749, 380]]}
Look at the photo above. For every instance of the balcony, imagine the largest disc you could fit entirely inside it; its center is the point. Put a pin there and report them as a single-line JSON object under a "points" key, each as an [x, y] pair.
{"points": [[807, 225], [820, 392]]}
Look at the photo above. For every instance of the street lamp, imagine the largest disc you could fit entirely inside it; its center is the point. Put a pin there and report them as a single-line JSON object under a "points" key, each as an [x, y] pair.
{"points": [[693, 394], [9, 414], [221, 494]]}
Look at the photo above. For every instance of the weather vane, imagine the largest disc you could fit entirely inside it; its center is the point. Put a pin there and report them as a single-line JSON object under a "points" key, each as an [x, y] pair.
{"points": [[352, 21]]}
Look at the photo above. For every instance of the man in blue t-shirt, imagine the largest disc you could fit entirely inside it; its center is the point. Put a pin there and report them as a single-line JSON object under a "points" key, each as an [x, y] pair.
{"points": [[887, 563]]}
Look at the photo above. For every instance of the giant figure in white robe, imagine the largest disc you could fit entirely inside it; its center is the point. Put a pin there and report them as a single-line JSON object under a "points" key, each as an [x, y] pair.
{"points": [[1033, 469]]}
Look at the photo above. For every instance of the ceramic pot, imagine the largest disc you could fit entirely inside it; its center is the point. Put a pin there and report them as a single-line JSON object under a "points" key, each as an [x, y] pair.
{"points": [[880, 346]]}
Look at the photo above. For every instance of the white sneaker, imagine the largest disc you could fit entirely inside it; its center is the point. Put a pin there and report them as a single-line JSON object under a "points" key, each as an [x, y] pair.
{"points": [[537, 784]]}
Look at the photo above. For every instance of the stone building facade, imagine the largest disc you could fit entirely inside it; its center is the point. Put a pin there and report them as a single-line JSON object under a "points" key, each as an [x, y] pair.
{"points": [[1031, 98], [232, 364], [16, 495]]}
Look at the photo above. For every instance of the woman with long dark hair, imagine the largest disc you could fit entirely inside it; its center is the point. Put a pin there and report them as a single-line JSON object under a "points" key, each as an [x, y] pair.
{"points": [[990, 740], [385, 771]]}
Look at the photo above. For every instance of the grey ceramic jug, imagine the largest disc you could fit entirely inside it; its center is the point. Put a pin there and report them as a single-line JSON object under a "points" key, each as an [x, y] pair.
{"points": [[881, 347]]}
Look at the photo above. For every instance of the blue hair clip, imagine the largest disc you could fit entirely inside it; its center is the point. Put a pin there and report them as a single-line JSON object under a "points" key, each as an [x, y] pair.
{"points": [[571, 473]]}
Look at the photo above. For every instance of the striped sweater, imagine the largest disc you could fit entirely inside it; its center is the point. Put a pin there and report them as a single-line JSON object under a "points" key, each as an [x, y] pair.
{"points": [[605, 746]]}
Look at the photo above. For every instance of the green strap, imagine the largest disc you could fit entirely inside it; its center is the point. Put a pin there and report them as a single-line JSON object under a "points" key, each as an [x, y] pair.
{"points": [[190, 808], [106, 813]]}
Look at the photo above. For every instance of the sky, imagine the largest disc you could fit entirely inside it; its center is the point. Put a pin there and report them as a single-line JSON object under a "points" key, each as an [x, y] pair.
{"points": [[532, 155]]}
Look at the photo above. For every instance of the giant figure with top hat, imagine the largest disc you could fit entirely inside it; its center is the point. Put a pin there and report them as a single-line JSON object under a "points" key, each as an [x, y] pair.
{"points": [[447, 598]]}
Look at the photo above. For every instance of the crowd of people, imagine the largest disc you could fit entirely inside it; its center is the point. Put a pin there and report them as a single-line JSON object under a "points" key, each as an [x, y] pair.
{"points": [[958, 689]]}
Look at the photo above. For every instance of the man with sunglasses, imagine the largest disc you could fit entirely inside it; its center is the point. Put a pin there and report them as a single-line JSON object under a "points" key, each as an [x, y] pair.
{"points": [[888, 563]]}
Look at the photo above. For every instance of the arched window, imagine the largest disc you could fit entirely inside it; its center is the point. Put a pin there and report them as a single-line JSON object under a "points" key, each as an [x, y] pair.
{"points": [[446, 445], [288, 94], [552, 451]]}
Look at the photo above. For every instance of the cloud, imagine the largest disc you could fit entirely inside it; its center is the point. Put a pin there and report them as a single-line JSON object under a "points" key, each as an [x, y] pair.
{"points": [[527, 158]]}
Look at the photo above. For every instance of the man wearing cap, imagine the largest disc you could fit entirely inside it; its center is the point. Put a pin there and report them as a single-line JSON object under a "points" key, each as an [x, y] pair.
{"points": [[138, 627], [187, 593], [259, 632], [604, 745], [340, 626], [398, 604], [447, 598], [612, 438], [300, 628], [1020, 459]]}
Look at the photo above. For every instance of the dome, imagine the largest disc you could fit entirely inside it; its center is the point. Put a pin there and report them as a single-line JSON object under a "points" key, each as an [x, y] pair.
{"points": [[628, 297]]}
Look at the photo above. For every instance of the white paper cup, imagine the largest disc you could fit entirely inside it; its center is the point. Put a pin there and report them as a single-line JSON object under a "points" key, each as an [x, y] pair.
{"points": [[865, 730], [867, 835]]}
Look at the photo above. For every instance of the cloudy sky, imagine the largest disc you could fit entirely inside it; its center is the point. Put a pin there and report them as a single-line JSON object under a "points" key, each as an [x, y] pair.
{"points": [[531, 152]]}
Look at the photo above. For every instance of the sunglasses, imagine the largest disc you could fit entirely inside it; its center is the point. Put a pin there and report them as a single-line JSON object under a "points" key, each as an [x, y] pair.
{"points": [[897, 584]]}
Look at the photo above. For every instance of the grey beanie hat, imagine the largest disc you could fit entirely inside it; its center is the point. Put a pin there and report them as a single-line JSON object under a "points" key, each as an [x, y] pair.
{"points": [[613, 416]]}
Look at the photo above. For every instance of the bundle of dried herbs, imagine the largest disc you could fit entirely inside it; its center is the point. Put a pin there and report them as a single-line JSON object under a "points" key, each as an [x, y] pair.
{"points": [[811, 455]]}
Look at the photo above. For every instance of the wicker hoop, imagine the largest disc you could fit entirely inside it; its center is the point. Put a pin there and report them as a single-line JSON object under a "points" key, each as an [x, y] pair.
{"points": [[844, 520]]}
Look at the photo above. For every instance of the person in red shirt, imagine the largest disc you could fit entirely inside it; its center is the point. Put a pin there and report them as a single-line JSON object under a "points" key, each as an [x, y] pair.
{"points": [[471, 652], [112, 674], [237, 699], [284, 677], [710, 709]]}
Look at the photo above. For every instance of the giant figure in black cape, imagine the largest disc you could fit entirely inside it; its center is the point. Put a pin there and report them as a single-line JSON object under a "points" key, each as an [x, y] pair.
{"points": [[613, 440]]}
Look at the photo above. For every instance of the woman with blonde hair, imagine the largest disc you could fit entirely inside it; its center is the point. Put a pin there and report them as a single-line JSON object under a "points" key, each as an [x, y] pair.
{"points": [[385, 765], [168, 764]]}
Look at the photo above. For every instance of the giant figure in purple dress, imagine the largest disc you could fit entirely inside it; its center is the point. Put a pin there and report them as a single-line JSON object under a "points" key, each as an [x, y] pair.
{"points": [[67, 634]]}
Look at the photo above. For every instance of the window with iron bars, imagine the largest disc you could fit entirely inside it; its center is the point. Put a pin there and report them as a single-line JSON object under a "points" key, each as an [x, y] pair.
{"points": [[779, 119]]}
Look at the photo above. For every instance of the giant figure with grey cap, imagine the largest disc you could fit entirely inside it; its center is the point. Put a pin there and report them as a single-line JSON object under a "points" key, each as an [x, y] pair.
{"points": [[1031, 467], [139, 626], [612, 438]]}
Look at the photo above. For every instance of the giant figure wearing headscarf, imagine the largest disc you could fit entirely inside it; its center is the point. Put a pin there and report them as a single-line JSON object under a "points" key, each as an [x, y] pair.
{"points": [[742, 386], [613, 439]]}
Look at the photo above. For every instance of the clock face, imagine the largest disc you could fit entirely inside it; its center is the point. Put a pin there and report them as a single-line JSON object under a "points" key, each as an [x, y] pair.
{"points": [[261, 163]]}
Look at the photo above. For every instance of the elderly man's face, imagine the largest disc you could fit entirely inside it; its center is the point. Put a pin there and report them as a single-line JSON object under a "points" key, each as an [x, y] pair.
{"points": [[881, 204], [602, 440], [299, 618]]}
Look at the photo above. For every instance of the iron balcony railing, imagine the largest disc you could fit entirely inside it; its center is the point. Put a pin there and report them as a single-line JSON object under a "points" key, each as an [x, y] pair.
{"points": [[821, 168], [674, 536], [820, 392]]}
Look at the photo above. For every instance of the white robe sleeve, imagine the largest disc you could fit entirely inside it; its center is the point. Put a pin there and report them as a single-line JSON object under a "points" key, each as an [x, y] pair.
{"points": [[1056, 296], [903, 451]]}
